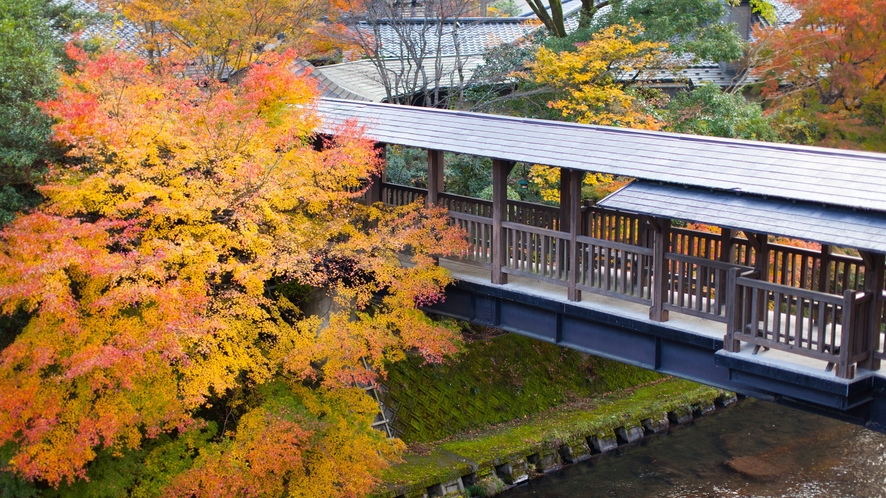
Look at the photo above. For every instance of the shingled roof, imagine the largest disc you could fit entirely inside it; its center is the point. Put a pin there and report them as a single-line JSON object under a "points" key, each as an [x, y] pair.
{"points": [[817, 175], [832, 225]]}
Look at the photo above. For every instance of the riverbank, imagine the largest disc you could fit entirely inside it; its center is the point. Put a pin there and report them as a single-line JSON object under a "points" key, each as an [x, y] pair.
{"points": [[485, 462]]}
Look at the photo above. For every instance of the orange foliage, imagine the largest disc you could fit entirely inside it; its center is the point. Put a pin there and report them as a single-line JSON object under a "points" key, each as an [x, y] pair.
{"points": [[146, 271]]}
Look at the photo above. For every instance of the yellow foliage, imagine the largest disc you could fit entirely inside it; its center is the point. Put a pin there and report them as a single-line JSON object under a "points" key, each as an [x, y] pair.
{"points": [[595, 76], [547, 180]]}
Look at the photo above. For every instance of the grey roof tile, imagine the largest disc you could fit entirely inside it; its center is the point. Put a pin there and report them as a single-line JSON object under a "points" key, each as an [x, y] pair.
{"points": [[800, 220], [813, 174]]}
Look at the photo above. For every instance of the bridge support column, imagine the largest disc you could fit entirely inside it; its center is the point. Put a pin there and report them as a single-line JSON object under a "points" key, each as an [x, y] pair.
{"points": [[874, 275], [727, 255], [569, 221], [435, 176], [374, 193], [660, 274], [760, 243], [500, 171], [824, 272]]}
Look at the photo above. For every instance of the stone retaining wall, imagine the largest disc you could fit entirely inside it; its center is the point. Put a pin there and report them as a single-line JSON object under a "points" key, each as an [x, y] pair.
{"points": [[449, 468]]}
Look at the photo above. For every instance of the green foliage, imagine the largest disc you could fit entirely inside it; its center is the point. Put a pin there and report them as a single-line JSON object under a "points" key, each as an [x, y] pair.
{"points": [[486, 486], [687, 25], [11, 485], [495, 380], [30, 52], [707, 110], [141, 473], [406, 166], [505, 8], [468, 175]]}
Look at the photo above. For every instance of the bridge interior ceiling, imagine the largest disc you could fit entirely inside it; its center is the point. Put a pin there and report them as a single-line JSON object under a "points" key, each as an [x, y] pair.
{"points": [[823, 304]]}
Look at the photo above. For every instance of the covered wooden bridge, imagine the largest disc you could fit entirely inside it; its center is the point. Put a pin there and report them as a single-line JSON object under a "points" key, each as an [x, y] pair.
{"points": [[730, 307]]}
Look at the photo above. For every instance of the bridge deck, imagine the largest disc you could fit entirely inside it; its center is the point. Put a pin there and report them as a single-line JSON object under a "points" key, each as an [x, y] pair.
{"points": [[639, 312]]}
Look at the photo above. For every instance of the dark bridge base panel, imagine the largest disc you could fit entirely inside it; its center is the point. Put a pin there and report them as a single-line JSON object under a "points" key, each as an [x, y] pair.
{"points": [[681, 353]]}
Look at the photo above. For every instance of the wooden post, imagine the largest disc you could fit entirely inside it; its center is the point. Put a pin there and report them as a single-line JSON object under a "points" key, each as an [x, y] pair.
{"points": [[733, 313], [874, 275], [824, 271], [435, 176], [574, 208], [760, 243], [374, 193], [727, 255], [847, 336], [660, 274], [500, 171], [565, 199]]}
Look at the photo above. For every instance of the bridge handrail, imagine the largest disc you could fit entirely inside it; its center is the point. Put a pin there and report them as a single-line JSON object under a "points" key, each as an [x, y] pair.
{"points": [[535, 230], [645, 251], [697, 286], [469, 217], [782, 317]]}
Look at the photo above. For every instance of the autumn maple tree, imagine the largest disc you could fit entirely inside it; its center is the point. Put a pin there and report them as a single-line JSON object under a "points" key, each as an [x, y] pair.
{"points": [[156, 281], [828, 69], [219, 37]]}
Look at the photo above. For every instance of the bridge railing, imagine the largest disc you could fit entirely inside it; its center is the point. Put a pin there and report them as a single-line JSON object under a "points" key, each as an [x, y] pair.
{"points": [[804, 301], [536, 252], [614, 226], [614, 269], [697, 286], [393, 194], [479, 237], [809, 323]]}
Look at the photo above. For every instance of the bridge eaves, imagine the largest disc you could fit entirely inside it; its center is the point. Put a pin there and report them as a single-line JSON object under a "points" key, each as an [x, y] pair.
{"points": [[799, 220], [813, 174]]}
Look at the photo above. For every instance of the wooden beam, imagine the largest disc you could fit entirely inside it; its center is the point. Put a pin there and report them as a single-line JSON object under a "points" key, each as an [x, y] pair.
{"points": [[575, 179], [752, 240], [500, 171], [652, 222], [435, 176], [660, 273]]}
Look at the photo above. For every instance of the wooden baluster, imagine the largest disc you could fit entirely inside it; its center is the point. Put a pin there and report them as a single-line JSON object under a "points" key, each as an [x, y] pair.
{"points": [[500, 171]]}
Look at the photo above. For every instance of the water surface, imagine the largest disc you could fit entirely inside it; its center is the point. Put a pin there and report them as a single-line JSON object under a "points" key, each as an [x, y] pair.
{"points": [[752, 449]]}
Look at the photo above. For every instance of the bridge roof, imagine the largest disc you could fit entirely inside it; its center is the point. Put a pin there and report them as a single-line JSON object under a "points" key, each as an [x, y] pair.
{"points": [[812, 174], [802, 220]]}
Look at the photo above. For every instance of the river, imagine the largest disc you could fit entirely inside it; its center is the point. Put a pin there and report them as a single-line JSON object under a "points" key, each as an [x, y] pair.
{"points": [[752, 449]]}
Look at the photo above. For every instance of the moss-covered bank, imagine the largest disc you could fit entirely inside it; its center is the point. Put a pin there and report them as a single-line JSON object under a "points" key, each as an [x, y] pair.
{"points": [[533, 441], [495, 380]]}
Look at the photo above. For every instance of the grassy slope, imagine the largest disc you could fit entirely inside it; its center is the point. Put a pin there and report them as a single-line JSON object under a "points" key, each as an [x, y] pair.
{"points": [[496, 380]]}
